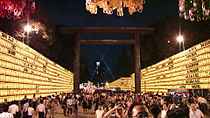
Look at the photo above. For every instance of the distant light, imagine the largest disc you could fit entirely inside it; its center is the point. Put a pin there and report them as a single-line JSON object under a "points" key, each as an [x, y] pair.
{"points": [[97, 63], [114, 89], [27, 28], [180, 38], [169, 41], [107, 83]]}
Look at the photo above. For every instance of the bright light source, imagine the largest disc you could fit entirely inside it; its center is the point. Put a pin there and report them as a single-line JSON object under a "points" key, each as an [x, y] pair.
{"points": [[180, 38], [107, 83], [169, 41], [97, 63], [27, 28]]}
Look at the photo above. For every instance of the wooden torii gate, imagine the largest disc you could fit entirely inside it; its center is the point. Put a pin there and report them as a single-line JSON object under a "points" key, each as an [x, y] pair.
{"points": [[78, 31]]}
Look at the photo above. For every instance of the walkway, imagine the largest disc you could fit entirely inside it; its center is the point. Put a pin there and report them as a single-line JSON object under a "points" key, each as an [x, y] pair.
{"points": [[59, 114]]}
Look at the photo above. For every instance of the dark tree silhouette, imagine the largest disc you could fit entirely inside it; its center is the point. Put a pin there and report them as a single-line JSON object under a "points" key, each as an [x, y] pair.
{"points": [[163, 44], [125, 63], [167, 29]]}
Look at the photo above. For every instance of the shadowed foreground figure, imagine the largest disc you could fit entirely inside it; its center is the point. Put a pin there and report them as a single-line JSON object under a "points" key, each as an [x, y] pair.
{"points": [[138, 110]]}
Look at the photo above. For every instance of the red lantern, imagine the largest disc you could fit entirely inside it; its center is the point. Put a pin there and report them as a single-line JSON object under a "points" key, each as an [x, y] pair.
{"points": [[16, 8]]}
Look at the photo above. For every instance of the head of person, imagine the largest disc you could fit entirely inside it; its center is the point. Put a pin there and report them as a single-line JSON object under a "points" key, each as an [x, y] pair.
{"points": [[138, 110], [193, 106], [171, 114], [5, 109], [5, 100], [165, 107], [120, 109], [14, 102], [110, 106], [172, 107], [41, 101], [30, 104], [100, 107]]}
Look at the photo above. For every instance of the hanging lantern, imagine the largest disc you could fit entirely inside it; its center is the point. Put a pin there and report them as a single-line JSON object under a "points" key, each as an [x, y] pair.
{"points": [[16, 8], [109, 6], [194, 9]]}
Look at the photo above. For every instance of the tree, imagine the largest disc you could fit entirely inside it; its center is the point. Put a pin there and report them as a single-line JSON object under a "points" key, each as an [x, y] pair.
{"points": [[41, 36], [125, 63], [167, 29]]}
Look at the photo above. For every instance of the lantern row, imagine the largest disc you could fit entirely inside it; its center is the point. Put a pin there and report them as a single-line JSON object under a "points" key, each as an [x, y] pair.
{"points": [[186, 70], [24, 71]]}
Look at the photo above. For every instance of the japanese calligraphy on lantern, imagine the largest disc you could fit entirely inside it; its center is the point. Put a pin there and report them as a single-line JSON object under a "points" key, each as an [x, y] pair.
{"points": [[24, 71], [186, 70]]}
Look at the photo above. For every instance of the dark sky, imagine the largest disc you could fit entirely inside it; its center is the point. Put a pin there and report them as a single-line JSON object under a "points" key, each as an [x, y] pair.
{"points": [[73, 13]]}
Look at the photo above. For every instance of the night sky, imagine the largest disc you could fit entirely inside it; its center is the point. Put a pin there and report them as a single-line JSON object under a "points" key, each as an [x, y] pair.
{"points": [[73, 13]]}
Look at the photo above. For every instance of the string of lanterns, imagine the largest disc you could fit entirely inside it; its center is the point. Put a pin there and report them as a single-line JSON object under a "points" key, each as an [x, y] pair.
{"points": [[15, 9], [109, 6], [194, 9]]}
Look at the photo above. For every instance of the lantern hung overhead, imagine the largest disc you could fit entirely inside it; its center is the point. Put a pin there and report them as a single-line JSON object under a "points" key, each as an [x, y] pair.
{"points": [[109, 6], [194, 9], [16, 9]]}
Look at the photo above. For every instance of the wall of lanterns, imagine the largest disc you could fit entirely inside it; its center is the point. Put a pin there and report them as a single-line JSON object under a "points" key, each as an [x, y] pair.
{"points": [[124, 83], [24, 71], [186, 70]]}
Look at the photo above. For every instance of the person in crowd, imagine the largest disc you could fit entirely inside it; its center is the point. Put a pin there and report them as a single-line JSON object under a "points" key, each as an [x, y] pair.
{"points": [[25, 108], [6, 114], [194, 112], [96, 102], [162, 101], [14, 109], [52, 108], [138, 110], [34, 100], [155, 109], [5, 104], [41, 109], [85, 105], [30, 110], [70, 105], [129, 102], [117, 112], [47, 105], [172, 107], [175, 99], [164, 111], [25, 98], [64, 106], [202, 104], [89, 107], [100, 111], [196, 104], [76, 103]]}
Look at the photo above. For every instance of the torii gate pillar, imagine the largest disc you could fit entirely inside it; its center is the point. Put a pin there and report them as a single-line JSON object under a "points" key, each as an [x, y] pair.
{"points": [[137, 64], [77, 64]]}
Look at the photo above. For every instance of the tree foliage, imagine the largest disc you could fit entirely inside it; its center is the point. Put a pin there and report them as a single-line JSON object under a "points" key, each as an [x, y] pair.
{"points": [[167, 30]]}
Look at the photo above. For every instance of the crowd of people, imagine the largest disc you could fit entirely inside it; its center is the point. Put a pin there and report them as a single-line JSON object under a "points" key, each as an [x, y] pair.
{"points": [[108, 105], [29, 108]]}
